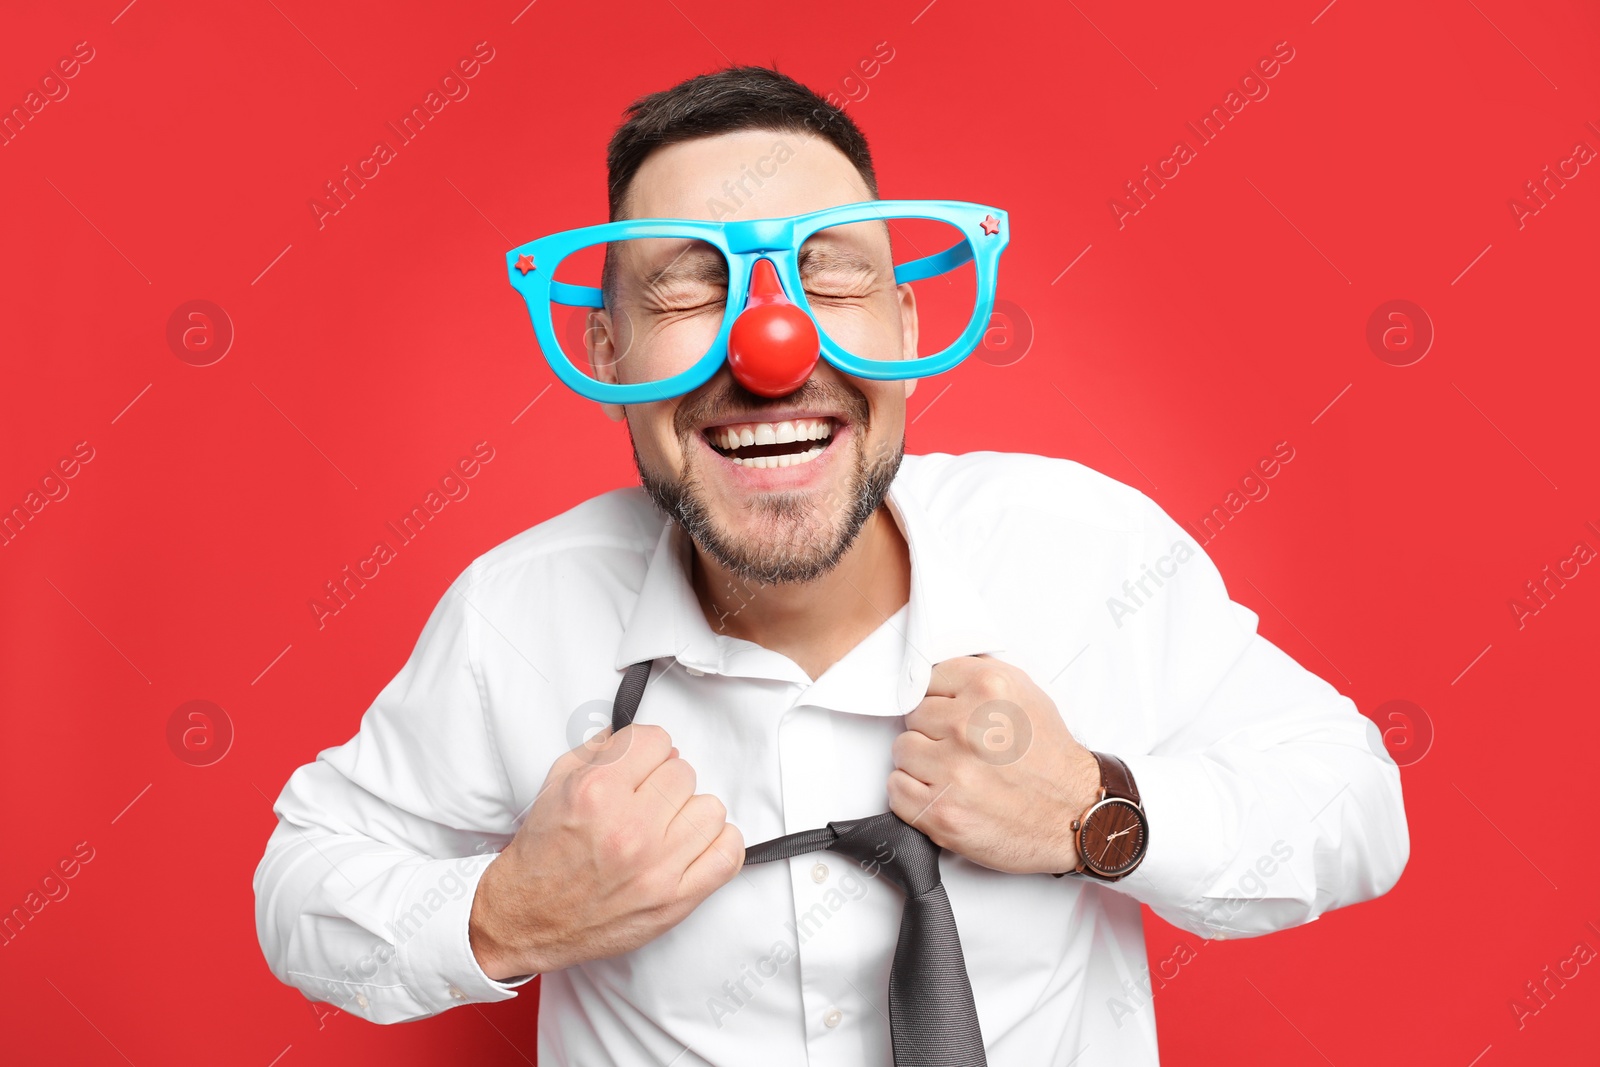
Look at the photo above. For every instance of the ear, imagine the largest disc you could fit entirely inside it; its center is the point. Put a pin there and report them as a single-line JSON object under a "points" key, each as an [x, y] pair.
{"points": [[908, 329], [601, 345]]}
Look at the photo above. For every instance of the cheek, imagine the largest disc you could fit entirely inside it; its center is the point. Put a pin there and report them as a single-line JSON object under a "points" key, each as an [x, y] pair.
{"points": [[870, 330], [650, 428], [653, 349]]}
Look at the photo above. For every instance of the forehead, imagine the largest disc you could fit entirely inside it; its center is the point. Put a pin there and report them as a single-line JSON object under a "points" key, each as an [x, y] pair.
{"points": [[748, 174]]}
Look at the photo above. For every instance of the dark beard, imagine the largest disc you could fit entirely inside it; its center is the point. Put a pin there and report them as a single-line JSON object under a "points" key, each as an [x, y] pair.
{"points": [[797, 558]]}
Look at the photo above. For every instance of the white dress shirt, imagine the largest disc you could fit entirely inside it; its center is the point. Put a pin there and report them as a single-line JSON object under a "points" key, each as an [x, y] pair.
{"points": [[1270, 798]]}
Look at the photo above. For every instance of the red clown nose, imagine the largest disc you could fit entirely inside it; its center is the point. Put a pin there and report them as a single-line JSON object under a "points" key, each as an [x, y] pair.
{"points": [[773, 344]]}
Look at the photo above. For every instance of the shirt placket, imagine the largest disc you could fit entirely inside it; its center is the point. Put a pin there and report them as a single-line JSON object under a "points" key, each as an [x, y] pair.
{"points": [[808, 758]]}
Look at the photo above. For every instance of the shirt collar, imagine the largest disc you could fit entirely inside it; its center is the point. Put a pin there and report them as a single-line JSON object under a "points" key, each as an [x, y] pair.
{"points": [[947, 617]]}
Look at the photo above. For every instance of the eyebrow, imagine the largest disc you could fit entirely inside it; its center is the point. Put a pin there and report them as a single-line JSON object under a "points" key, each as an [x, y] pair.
{"points": [[697, 264], [825, 256]]}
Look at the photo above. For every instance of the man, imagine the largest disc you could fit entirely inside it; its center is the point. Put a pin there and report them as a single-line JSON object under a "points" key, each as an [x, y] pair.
{"points": [[853, 633]]}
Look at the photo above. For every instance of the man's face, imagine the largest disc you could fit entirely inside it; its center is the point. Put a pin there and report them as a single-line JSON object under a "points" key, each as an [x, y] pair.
{"points": [[764, 523]]}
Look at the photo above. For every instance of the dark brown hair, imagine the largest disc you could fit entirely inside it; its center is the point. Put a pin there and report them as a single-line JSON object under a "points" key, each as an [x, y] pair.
{"points": [[738, 98]]}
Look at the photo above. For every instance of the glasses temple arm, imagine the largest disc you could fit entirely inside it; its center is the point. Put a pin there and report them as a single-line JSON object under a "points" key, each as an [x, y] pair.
{"points": [[583, 296], [931, 266]]}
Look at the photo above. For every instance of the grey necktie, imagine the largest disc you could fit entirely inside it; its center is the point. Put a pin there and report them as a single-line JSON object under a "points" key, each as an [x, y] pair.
{"points": [[932, 1017]]}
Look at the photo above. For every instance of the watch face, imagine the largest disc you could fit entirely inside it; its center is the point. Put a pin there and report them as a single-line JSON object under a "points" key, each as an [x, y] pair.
{"points": [[1113, 837]]}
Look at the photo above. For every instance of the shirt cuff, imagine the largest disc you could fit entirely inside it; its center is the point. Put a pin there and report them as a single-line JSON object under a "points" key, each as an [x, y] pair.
{"points": [[434, 951], [1187, 821]]}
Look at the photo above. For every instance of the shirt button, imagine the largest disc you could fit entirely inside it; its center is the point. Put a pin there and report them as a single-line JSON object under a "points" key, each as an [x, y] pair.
{"points": [[833, 1018], [454, 992], [361, 999], [819, 873]]}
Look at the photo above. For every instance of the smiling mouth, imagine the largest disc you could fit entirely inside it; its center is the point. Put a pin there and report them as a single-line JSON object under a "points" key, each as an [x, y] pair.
{"points": [[789, 443]]}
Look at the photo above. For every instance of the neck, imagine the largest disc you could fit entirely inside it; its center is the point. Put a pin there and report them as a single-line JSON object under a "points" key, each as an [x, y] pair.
{"points": [[813, 623]]}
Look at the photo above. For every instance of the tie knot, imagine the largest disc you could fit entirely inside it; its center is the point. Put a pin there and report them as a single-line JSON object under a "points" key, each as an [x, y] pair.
{"points": [[887, 842]]}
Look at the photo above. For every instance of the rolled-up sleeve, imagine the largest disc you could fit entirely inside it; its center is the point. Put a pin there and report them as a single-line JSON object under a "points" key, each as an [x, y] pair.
{"points": [[1270, 797], [364, 892]]}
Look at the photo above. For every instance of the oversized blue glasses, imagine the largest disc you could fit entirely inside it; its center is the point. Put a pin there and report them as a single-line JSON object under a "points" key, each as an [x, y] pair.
{"points": [[679, 290]]}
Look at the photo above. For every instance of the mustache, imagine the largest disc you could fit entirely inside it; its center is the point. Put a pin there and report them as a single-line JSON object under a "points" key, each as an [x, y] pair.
{"points": [[736, 403]]}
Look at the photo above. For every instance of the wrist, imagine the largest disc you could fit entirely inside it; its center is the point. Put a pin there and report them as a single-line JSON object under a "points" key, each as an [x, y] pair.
{"points": [[1081, 793], [483, 930]]}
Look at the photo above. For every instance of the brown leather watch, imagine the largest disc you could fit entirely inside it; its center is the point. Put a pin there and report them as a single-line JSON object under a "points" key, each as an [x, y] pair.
{"points": [[1112, 835]]}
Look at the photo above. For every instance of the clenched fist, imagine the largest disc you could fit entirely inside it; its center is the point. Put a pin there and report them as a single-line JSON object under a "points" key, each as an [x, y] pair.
{"points": [[616, 850], [987, 769]]}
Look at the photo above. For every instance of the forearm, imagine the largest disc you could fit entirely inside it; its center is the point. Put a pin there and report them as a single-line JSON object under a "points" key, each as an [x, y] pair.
{"points": [[374, 928], [1275, 823]]}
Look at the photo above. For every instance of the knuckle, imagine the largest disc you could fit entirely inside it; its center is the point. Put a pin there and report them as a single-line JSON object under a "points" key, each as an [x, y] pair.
{"points": [[685, 770], [991, 684], [716, 813], [900, 747], [942, 825], [620, 844], [585, 791]]}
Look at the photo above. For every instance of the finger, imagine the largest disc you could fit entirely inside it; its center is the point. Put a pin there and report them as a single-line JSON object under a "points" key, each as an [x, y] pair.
{"points": [[909, 798], [716, 865], [667, 789], [694, 826], [949, 676], [938, 717], [634, 752], [920, 757]]}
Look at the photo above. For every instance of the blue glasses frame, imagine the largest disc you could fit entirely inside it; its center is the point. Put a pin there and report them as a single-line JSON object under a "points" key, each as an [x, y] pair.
{"points": [[985, 233]]}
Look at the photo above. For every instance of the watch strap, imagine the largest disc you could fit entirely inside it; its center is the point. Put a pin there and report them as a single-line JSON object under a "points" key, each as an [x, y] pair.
{"points": [[1115, 778]]}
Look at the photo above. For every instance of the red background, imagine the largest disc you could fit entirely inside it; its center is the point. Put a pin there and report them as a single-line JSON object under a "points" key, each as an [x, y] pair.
{"points": [[373, 352]]}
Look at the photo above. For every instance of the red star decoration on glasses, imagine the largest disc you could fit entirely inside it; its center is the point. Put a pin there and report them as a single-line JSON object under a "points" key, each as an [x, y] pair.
{"points": [[525, 264], [990, 224]]}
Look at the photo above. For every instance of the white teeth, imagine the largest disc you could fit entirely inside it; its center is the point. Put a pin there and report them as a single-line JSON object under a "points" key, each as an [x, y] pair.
{"points": [[790, 460], [769, 433]]}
